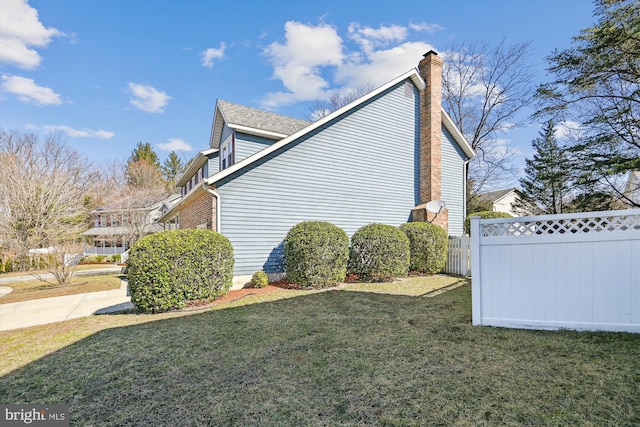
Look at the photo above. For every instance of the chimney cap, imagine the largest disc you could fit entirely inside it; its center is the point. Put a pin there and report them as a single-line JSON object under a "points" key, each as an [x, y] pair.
{"points": [[431, 52]]}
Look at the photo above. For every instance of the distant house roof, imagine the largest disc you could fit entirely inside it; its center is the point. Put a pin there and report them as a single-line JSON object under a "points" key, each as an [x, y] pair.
{"points": [[494, 196], [253, 121]]}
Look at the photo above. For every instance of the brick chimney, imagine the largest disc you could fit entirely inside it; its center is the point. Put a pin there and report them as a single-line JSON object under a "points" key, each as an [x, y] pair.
{"points": [[430, 68]]}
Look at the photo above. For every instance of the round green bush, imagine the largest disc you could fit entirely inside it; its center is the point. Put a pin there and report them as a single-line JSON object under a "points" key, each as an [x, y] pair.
{"points": [[483, 215], [259, 279], [379, 252], [169, 268], [429, 244], [316, 254]]}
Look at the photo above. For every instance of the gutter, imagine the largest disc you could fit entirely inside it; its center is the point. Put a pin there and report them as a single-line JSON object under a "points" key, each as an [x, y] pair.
{"points": [[218, 203]]}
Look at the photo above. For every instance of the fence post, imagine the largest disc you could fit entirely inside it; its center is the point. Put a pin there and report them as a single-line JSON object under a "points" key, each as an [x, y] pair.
{"points": [[476, 284], [464, 254]]}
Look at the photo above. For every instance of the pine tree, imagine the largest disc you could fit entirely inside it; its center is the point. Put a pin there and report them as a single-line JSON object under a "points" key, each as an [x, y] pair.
{"points": [[143, 151], [171, 169], [545, 189], [143, 167]]}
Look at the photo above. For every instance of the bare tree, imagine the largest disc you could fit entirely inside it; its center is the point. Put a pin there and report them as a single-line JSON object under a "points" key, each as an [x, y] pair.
{"points": [[337, 100], [42, 189], [483, 89]]}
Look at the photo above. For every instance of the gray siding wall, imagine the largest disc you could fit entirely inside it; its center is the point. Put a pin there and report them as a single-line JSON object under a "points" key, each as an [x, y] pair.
{"points": [[453, 182], [213, 165], [360, 169], [247, 145]]}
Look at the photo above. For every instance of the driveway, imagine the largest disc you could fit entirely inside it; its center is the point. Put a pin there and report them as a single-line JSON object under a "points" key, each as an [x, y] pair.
{"points": [[49, 310]]}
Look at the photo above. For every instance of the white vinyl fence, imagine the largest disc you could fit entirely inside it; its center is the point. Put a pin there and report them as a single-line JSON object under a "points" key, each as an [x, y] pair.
{"points": [[574, 271], [458, 261]]}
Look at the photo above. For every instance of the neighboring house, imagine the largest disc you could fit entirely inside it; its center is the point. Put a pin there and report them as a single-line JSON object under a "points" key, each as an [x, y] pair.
{"points": [[380, 159], [501, 200], [632, 189], [115, 229]]}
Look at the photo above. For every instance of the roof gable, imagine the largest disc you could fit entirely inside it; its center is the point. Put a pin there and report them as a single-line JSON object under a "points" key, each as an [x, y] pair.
{"points": [[252, 121], [412, 74]]}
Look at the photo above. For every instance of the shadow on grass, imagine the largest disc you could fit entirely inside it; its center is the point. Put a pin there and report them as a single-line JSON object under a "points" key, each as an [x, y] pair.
{"points": [[337, 358]]}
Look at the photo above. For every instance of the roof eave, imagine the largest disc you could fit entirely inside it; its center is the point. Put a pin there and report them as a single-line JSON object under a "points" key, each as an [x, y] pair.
{"points": [[412, 74], [457, 135]]}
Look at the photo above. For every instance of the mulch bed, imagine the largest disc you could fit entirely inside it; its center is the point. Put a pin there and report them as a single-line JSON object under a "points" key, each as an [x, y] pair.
{"points": [[230, 296]]}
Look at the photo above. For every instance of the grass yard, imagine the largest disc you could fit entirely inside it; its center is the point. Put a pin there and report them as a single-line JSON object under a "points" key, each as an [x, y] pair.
{"points": [[34, 289], [335, 358]]}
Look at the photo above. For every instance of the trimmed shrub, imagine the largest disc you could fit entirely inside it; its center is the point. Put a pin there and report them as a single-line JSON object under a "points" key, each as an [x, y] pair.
{"points": [[429, 244], [379, 252], [8, 265], [483, 215], [316, 254], [169, 268], [100, 258], [116, 258], [259, 279]]}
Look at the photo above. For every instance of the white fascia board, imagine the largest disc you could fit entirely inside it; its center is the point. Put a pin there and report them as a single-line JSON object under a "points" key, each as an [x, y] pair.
{"points": [[412, 74], [175, 209], [457, 135], [200, 159], [257, 132]]}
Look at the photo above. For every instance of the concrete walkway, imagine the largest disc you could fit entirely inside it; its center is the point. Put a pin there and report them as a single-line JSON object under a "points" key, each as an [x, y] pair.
{"points": [[95, 272], [49, 310]]}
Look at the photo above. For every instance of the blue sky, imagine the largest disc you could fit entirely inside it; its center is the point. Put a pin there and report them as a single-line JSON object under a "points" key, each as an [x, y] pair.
{"points": [[111, 73]]}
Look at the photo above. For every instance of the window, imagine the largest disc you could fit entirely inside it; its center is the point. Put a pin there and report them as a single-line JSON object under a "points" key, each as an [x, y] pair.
{"points": [[228, 153]]}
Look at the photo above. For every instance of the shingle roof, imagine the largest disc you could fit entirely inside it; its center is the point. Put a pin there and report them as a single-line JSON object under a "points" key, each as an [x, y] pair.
{"points": [[259, 119], [496, 195]]}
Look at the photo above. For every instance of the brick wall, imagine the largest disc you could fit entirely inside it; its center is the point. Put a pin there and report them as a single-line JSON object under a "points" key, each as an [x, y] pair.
{"points": [[200, 210], [430, 68]]}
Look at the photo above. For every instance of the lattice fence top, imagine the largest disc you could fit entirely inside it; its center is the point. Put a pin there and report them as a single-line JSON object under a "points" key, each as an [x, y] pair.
{"points": [[573, 225]]}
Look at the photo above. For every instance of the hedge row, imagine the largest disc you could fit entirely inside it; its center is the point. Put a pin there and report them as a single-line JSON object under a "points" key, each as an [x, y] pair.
{"points": [[170, 268], [318, 253]]}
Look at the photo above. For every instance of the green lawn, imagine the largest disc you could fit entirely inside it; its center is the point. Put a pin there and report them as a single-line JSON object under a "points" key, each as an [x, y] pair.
{"points": [[334, 358], [34, 289]]}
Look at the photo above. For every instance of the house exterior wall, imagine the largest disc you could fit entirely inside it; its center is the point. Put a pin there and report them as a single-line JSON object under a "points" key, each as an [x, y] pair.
{"points": [[199, 212], [452, 179], [360, 168], [246, 145], [504, 204]]}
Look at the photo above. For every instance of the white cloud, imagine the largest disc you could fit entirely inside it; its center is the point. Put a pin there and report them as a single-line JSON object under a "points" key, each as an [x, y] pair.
{"points": [[428, 28], [212, 53], [175, 144], [569, 130], [298, 61], [147, 98], [20, 31], [380, 54], [80, 133], [382, 65], [370, 38], [29, 92]]}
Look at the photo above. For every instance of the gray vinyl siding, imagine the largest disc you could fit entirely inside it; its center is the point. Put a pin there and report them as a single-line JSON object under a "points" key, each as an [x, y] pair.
{"points": [[213, 165], [356, 170], [246, 145], [453, 159]]}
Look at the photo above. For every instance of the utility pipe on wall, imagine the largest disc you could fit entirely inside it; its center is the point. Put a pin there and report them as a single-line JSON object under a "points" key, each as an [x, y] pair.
{"points": [[218, 204]]}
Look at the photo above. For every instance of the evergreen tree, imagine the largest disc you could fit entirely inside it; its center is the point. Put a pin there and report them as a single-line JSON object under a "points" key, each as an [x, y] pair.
{"points": [[143, 167], [143, 151], [597, 84], [171, 169], [545, 187]]}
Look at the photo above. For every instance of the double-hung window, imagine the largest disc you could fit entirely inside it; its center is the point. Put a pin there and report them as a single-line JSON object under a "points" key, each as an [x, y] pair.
{"points": [[228, 152]]}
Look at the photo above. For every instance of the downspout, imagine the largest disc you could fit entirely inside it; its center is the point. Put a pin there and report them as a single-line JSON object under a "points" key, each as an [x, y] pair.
{"points": [[218, 200]]}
